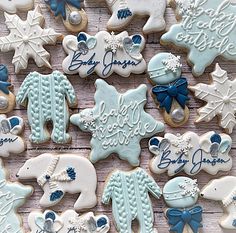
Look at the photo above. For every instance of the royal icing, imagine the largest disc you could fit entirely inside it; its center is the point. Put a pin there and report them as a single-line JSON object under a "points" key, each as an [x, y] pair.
{"points": [[104, 54], [61, 174], [191, 153], [224, 190], [73, 17], [207, 29], [220, 96], [117, 122], [181, 194], [171, 91], [124, 10], [11, 6], [7, 98], [129, 192], [27, 39], [12, 196], [47, 95], [68, 222]]}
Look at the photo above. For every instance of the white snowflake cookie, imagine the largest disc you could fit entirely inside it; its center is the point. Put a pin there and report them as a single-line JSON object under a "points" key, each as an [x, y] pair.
{"points": [[27, 39], [220, 96], [104, 54], [12, 6]]}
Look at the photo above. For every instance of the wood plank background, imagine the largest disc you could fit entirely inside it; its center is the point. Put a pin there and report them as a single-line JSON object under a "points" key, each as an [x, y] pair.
{"points": [[98, 15]]}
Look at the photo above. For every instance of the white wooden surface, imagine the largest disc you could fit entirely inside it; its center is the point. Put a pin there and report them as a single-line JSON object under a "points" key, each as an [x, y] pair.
{"points": [[98, 15]]}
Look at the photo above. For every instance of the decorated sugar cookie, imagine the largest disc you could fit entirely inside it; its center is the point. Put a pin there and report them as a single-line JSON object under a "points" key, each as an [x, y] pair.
{"points": [[68, 222], [74, 18], [12, 196], [191, 153], [123, 12], [104, 54], [181, 194], [48, 99], [58, 174], [117, 122], [129, 192], [220, 97], [27, 39], [206, 29], [12, 6], [223, 190], [170, 92], [7, 98], [10, 141]]}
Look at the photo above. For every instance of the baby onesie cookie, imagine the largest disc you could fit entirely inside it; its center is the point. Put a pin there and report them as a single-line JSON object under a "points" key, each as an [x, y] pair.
{"points": [[191, 153], [10, 141], [181, 194], [7, 98], [27, 39], [206, 29], [48, 99], [104, 54], [117, 122], [123, 12], [220, 96], [58, 174], [74, 18], [170, 92], [68, 222], [129, 192], [12, 6], [223, 190], [12, 196]]}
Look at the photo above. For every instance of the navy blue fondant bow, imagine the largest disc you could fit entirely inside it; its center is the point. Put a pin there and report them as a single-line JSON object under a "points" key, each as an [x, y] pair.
{"points": [[177, 90], [178, 219], [4, 87]]}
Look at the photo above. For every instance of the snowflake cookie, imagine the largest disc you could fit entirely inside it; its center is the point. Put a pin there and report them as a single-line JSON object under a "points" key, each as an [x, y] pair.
{"points": [[220, 97], [190, 153], [104, 54], [11, 6], [13, 196], [58, 174], [123, 12], [204, 32], [27, 39], [117, 122], [68, 222]]}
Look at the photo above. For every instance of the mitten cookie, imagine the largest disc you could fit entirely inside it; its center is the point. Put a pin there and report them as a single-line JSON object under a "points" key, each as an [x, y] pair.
{"points": [[12, 6]]}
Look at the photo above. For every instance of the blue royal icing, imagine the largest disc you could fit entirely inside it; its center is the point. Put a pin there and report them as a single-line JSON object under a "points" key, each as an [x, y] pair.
{"points": [[56, 195], [71, 173], [4, 85], [234, 223], [124, 13], [101, 222]]}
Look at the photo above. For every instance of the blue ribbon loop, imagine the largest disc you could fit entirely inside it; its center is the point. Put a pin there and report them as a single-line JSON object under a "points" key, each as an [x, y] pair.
{"points": [[166, 94], [178, 219]]}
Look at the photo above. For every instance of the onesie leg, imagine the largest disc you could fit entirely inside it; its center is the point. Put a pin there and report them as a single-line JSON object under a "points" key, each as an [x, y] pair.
{"points": [[123, 222]]}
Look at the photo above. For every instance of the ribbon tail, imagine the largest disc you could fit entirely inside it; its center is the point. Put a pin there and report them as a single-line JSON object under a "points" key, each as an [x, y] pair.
{"points": [[195, 225], [182, 99], [167, 103], [179, 227]]}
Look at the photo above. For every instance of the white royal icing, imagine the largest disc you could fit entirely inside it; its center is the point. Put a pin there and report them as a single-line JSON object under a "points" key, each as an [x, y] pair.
{"points": [[11, 6]]}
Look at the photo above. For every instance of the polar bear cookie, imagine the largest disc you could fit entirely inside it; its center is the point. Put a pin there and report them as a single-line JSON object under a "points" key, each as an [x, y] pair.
{"points": [[170, 91], [61, 174], [129, 192], [190, 153], [220, 97], [123, 12], [117, 122], [74, 18], [181, 194], [68, 221], [27, 39], [223, 190], [12, 196], [11, 6], [104, 54], [198, 33]]}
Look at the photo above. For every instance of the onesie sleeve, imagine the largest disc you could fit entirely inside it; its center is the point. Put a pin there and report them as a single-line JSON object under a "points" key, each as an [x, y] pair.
{"points": [[24, 90], [108, 190]]}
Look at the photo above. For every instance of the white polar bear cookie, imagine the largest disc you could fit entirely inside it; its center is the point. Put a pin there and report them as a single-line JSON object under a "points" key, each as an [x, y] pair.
{"points": [[224, 190], [191, 153], [11, 6], [58, 174], [104, 54], [124, 10], [68, 222]]}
